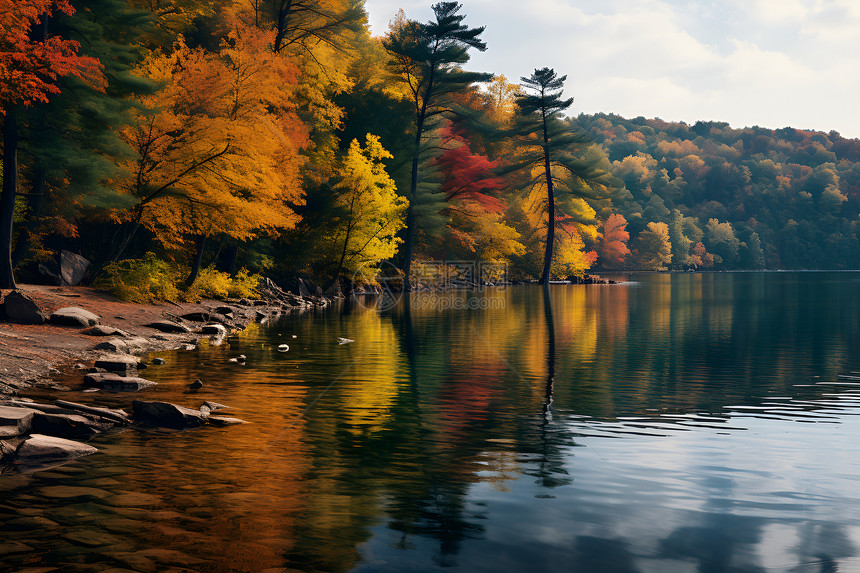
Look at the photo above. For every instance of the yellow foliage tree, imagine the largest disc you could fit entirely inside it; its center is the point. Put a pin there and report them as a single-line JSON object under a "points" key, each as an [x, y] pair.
{"points": [[370, 211]]}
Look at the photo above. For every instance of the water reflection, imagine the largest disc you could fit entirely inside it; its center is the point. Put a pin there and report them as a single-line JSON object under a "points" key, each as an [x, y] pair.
{"points": [[677, 422]]}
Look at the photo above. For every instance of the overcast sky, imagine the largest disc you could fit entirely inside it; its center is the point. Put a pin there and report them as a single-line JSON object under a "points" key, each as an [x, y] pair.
{"points": [[772, 63]]}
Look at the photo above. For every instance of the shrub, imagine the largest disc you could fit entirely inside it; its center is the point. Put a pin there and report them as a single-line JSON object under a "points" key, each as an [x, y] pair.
{"points": [[145, 280], [244, 285], [212, 283]]}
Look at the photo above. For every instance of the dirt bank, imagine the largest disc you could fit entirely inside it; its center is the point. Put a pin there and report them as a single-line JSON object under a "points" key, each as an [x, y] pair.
{"points": [[31, 354]]}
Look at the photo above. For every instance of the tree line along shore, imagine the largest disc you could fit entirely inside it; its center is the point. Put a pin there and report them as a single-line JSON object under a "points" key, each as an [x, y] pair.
{"points": [[184, 150]]}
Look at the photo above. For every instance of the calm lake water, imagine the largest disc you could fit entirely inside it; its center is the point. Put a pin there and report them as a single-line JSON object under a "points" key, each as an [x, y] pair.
{"points": [[675, 423]]}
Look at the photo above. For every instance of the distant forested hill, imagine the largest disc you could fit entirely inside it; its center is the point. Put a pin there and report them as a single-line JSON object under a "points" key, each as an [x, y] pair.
{"points": [[754, 198]]}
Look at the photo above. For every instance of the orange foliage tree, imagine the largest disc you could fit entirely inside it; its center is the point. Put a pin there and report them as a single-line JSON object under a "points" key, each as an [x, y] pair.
{"points": [[219, 150]]}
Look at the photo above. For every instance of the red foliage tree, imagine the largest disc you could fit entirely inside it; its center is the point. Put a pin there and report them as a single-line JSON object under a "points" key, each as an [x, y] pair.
{"points": [[468, 176], [613, 242]]}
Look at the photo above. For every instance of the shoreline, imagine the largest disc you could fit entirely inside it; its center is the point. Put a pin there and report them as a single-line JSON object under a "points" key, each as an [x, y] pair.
{"points": [[31, 355]]}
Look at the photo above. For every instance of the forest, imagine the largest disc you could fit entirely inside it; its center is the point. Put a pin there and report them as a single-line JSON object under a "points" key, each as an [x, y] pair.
{"points": [[188, 147]]}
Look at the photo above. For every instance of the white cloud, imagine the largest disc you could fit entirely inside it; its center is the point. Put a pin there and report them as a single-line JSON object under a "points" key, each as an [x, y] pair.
{"points": [[767, 62]]}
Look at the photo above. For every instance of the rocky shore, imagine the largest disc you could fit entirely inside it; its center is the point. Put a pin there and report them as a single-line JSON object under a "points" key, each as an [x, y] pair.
{"points": [[44, 329]]}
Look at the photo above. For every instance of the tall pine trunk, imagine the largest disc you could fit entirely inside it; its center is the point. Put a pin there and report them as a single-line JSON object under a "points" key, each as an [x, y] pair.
{"points": [[550, 209], [7, 197], [550, 353]]}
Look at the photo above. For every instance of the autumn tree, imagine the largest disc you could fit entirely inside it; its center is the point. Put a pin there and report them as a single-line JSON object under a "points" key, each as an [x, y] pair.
{"points": [[219, 152], [723, 243], [71, 147], [613, 242], [370, 213], [428, 59], [654, 248], [31, 63], [552, 154]]}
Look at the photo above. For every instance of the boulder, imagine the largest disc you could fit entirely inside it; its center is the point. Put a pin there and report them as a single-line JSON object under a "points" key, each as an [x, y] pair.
{"points": [[41, 448], [215, 329], [158, 361], [73, 268], [116, 383], [106, 413], [65, 425], [9, 432], [118, 363], [16, 416], [102, 330], [198, 316], [21, 308], [167, 415], [225, 311], [129, 345], [169, 326], [208, 406], [74, 316]]}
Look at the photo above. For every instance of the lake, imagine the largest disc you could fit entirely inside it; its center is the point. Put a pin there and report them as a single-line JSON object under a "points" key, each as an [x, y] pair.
{"points": [[673, 423]]}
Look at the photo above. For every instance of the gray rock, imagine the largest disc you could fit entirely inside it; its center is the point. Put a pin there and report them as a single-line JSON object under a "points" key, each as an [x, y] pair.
{"points": [[39, 447], [221, 421], [22, 309], [167, 415], [196, 316], [73, 268], [65, 425], [116, 383], [169, 326], [9, 431], [108, 414], [74, 316], [225, 311], [129, 345], [118, 363], [215, 328], [208, 406], [103, 330], [15, 416]]}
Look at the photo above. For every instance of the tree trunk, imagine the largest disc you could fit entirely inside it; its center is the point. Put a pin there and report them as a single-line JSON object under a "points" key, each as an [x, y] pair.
{"points": [[410, 218], [35, 201], [550, 353], [550, 223], [198, 260], [232, 258], [7, 198]]}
